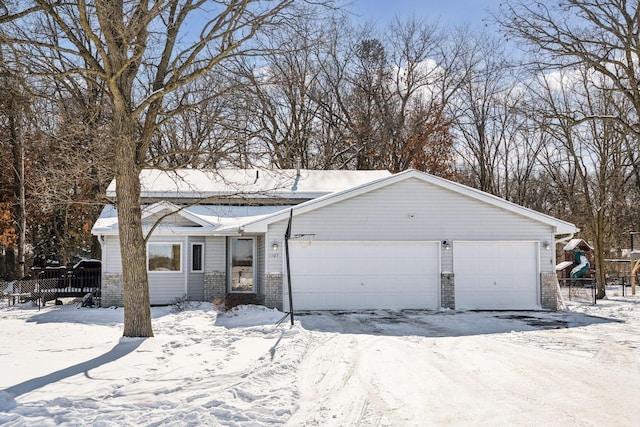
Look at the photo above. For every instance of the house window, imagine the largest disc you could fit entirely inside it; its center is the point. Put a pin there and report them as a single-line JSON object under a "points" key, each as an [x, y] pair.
{"points": [[164, 257], [196, 257], [241, 269]]}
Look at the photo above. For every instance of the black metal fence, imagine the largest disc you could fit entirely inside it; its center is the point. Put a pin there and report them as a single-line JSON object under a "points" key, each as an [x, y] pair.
{"points": [[61, 278], [618, 274]]}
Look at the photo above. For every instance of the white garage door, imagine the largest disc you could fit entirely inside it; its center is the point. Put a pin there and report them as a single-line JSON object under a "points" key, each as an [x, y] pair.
{"points": [[364, 275], [496, 275]]}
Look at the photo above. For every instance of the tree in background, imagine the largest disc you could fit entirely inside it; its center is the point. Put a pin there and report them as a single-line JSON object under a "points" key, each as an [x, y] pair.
{"points": [[279, 92], [14, 105], [602, 35], [63, 172], [487, 115], [586, 158], [430, 144], [206, 134], [377, 106], [597, 44]]}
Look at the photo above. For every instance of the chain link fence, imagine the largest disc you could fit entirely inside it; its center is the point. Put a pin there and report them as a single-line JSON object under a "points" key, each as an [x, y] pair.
{"points": [[19, 291], [581, 290], [584, 290], [52, 285]]}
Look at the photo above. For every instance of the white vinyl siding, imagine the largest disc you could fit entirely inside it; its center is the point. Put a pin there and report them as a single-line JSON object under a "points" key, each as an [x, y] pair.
{"points": [[276, 234], [413, 210], [174, 220], [111, 261], [215, 254]]}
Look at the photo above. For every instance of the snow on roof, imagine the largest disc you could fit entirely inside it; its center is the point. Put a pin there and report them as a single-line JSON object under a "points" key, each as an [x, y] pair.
{"points": [[563, 265], [212, 218], [225, 217], [108, 220], [286, 183], [322, 187], [574, 243]]}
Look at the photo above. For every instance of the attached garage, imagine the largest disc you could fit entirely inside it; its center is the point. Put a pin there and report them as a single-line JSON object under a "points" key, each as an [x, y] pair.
{"points": [[411, 241], [493, 275], [331, 275]]}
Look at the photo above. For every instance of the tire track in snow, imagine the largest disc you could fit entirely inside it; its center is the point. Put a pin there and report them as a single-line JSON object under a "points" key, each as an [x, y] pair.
{"points": [[340, 387]]}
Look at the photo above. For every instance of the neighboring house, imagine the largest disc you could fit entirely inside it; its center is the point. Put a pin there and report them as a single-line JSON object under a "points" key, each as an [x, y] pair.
{"points": [[362, 240]]}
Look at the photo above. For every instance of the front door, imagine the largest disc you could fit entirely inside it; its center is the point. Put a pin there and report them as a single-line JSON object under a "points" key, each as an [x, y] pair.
{"points": [[241, 269]]}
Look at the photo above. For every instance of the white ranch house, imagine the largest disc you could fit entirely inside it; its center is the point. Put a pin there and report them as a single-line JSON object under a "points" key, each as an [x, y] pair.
{"points": [[364, 240]]}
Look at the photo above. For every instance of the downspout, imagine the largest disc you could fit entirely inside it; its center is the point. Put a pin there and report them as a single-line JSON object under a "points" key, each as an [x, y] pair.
{"points": [[100, 238], [101, 241]]}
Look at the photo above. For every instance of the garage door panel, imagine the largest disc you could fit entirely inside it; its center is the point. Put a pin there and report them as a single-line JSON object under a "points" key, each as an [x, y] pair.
{"points": [[355, 301], [363, 284], [349, 267], [504, 302], [496, 275], [361, 275]]}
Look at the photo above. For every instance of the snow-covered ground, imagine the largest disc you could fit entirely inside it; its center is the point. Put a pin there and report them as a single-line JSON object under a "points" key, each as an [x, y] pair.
{"points": [[69, 366]]}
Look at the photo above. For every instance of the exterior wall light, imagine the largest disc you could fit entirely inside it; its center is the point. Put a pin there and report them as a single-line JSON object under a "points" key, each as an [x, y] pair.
{"points": [[446, 245], [274, 247], [546, 246]]}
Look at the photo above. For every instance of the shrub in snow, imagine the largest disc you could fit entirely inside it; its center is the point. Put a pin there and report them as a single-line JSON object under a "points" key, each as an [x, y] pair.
{"points": [[183, 303]]}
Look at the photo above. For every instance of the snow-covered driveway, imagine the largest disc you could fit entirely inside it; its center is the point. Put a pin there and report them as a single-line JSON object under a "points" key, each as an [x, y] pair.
{"points": [[506, 369], [68, 366]]}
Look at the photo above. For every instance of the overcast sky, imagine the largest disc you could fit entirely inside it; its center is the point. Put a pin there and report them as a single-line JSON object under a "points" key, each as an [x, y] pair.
{"points": [[446, 12]]}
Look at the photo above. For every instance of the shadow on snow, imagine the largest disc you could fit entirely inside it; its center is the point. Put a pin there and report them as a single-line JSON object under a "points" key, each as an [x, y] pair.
{"points": [[121, 349], [92, 316]]}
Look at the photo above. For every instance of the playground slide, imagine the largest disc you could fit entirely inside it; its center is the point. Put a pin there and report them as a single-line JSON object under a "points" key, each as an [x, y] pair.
{"points": [[580, 269]]}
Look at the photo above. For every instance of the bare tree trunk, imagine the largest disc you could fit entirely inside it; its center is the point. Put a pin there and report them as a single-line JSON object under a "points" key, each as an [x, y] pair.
{"points": [[18, 166], [600, 254], [22, 203], [137, 313]]}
